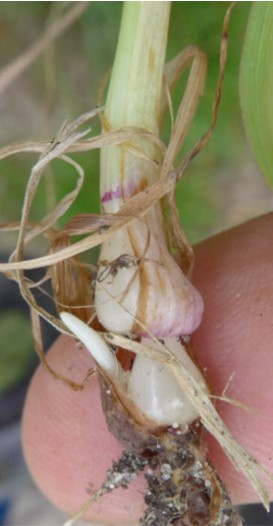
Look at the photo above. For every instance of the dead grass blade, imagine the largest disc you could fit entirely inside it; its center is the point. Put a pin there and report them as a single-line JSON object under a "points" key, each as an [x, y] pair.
{"points": [[201, 143], [72, 283], [86, 223], [187, 109], [21, 63]]}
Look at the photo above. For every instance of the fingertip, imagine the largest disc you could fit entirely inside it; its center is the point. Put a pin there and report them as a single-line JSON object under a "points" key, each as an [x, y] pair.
{"points": [[234, 274], [67, 445]]}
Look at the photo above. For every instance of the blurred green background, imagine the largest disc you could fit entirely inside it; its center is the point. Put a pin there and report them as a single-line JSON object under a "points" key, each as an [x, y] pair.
{"points": [[221, 187]]}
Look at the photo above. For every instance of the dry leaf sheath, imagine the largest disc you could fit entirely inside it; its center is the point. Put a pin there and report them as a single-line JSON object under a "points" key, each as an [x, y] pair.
{"points": [[136, 310]]}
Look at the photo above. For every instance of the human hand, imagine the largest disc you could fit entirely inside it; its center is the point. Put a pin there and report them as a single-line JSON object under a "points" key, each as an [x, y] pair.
{"points": [[66, 442]]}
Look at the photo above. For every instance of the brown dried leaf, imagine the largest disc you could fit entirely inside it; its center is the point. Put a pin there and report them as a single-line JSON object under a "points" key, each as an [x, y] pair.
{"points": [[72, 283]]}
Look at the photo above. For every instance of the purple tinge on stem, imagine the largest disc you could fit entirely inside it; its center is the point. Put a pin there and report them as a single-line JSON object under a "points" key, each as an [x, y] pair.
{"points": [[111, 195]]}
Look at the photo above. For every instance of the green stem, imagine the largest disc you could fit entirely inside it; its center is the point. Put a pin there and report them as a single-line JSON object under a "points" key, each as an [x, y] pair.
{"points": [[136, 82], [134, 100]]}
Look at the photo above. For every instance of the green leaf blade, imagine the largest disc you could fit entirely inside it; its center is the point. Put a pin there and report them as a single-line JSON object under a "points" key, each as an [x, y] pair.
{"points": [[256, 85]]}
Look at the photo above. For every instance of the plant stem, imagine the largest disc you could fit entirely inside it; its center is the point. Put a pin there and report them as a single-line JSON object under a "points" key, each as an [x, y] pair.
{"points": [[136, 82], [143, 290], [134, 98]]}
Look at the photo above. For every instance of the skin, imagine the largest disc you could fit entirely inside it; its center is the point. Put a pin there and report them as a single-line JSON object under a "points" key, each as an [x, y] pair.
{"points": [[66, 442]]}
